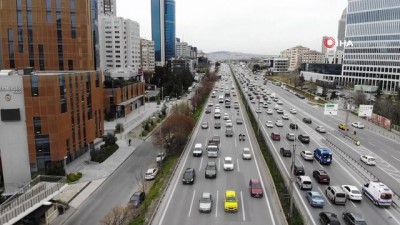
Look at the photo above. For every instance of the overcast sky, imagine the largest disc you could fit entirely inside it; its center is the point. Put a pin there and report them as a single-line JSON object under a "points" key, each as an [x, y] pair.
{"points": [[251, 26]]}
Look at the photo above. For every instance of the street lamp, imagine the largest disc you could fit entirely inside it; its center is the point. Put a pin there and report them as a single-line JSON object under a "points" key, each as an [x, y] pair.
{"points": [[292, 176]]}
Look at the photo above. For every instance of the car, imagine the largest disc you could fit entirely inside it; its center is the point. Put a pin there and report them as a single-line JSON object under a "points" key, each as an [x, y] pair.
{"points": [[269, 101], [343, 126], [328, 218], [298, 170], [205, 202], [226, 116], [285, 152], [315, 199], [276, 107], [352, 218], [352, 192], [290, 137], [321, 176], [236, 105], [239, 121], [269, 111], [151, 174], [217, 106], [189, 176], [228, 132], [293, 111], [307, 155], [307, 120], [204, 125], [279, 111], [269, 124], [304, 182], [211, 170], [275, 136], [255, 188], [279, 102], [367, 159], [253, 101], [136, 199], [265, 105], [208, 110], [285, 116], [293, 126], [228, 123], [279, 123], [228, 163], [246, 153], [258, 110], [230, 201], [304, 138], [320, 129], [358, 125], [217, 125], [210, 103], [160, 157]]}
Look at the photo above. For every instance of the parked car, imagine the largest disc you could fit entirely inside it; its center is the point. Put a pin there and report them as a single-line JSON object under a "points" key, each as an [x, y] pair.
{"points": [[151, 174], [367, 159], [205, 202], [255, 188], [275, 136], [315, 199], [246, 153], [279, 111], [352, 218], [226, 116], [321, 176], [307, 120], [307, 155], [160, 157], [303, 138], [328, 218], [293, 126], [136, 199], [358, 125], [320, 129], [189, 176], [285, 152]]}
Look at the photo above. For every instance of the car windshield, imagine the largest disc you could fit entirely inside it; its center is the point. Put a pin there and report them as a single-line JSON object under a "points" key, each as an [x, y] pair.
{"points": [[256, 185], [360, 223], [187, 175], [355, 192], [205, 200], [317, 197], [231, 199], [149, 173]]}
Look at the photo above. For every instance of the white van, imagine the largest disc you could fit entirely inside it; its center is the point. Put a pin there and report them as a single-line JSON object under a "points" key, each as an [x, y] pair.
{"points": [[336, 194], [304, 182], [217, 113], [378, 192], [198, 149]]}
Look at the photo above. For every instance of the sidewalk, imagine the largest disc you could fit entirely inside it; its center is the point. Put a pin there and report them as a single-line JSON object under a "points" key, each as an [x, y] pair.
{"points": [[94, 174]]}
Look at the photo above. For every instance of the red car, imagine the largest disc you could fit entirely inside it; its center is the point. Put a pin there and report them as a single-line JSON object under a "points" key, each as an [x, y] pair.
{"points": [[275, 136], [255, 188]]}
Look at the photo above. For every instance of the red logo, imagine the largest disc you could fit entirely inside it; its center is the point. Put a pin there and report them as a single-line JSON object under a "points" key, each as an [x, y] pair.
{"points": [[329, 42]]}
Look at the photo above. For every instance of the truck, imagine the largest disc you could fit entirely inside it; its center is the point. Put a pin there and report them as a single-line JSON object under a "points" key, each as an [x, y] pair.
{"points": [[378, 192], [213, 148]]}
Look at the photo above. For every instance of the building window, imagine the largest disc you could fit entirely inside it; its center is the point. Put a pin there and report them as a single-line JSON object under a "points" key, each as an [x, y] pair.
{"points": [[42, 146], [41, 58], [35, 85], [11, 54], [63, 97], [37, 125], [70, 65]]}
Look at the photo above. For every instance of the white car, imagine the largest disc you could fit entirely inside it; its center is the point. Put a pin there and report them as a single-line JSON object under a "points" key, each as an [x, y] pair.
{"points": [[160, 157], [253, 101], [279, 123], [285, 116], [229, 123], [265, 105], [217, 106], [269, 101], [367, 159], [279, 102], [358, 125], [320, 129], [210, 103], [228, 163], [269, 111], [276, 107], [307, 155], [352, 192], [269, 124], [293, 111], [246, 153], [226, 116], [258, 110], [151, 174]]}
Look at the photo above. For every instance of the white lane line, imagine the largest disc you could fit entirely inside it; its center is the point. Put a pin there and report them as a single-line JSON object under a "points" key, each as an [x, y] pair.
{"points": [[244, 214], [298, 159], [396, 158], [235, 143], [216, 206], [323, 194], [201, 162], [191, 204], [237, 160], [398, 222], [353, 203], [219, 164]]}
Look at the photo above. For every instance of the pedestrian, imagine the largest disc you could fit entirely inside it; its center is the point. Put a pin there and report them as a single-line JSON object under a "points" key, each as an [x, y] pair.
{"points": [[129, 142]]}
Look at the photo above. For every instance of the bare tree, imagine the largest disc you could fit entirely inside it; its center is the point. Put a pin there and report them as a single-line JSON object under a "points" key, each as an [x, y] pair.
{"points": [[142, 184], [120, 215], [360, 98], [182, 108]]}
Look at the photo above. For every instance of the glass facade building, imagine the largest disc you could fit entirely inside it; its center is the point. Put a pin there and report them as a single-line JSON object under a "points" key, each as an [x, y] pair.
{"points": [[169, 29], [373, 55], [156, 27]]}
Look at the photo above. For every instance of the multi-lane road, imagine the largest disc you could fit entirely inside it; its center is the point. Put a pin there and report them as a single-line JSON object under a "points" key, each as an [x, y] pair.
{"points": [[339, 172]]}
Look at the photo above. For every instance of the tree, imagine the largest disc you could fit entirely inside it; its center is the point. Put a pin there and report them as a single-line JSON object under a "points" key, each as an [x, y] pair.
{"points": [[147, 75], [398, 93], [301, 81], [360, 98], [182, 108], [379, 90], [256, 67], [109, 139], [333, 95], [120, 215]]}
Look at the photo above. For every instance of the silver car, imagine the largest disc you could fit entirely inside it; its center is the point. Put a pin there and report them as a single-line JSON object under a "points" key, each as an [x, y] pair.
{"points": [[205, 202]]}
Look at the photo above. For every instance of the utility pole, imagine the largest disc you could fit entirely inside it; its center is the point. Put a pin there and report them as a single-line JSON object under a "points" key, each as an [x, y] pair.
{"points": [[292, 176]]}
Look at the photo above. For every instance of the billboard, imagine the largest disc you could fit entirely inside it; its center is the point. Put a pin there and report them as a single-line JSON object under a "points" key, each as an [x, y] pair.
{"points": [[380, 120]]}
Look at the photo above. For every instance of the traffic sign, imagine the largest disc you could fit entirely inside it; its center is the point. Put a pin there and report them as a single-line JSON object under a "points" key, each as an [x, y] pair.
{"points": [[365, 110], [331, 109]]}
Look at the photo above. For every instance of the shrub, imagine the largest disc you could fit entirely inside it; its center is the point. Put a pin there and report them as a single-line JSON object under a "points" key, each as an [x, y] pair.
{"points": [[103, 153], [72, 177]]}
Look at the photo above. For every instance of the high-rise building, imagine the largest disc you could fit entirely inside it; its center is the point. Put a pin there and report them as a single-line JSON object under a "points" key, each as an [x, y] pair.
{"points": [[341, 30], [107, 7], [373, 28], [147, 55], [119, 43], [323, 47], [182, 49], [163, 29], [46, 35], [300, 54]]}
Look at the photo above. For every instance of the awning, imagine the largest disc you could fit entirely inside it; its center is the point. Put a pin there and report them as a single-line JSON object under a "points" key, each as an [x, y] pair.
{"points": [[127, 102]]}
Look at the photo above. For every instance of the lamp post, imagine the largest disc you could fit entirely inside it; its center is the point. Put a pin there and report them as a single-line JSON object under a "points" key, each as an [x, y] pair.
{"points": [[292, 176]]}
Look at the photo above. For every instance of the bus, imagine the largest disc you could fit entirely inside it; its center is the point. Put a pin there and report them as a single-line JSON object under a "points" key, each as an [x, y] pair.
{"points": [[323, 156]]}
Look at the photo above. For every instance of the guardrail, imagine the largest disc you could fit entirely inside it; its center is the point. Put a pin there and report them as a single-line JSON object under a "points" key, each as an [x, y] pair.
{"points": [[364, 173]]}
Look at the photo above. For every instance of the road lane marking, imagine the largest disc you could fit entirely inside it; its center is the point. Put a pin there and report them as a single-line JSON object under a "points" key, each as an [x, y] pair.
{"points": [[298, 159], [219, 164], [323, 194], [216, 206], [201, 162], [235, 143], [244, 214], [353, 203], [238, 165], [191, 204], [396, 158], [398, 222]]}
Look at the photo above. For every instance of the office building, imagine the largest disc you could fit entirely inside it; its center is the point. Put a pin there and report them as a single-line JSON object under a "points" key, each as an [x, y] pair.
{"points": [[341, 30], [107, 7], [277, 64], [163, 29], [373, 27], [323, 47], [147, 55], [182, 50], [46, 118], [46, 35], [300, 54], [119, 43]]}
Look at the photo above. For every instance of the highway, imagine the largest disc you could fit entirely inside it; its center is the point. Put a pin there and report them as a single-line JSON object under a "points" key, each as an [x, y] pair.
{"points": [[181, 201], [340, 173]]}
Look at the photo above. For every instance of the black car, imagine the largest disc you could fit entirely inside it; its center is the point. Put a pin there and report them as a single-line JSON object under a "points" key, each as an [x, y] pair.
{"points": [[217, 125], [208, 110], [298, 170], [328, 218], [293, 126], [351, 218], [285, 152], [211, 170], [321, 176], [305, 139], [228, 132], [189, 176], [307, 120], [136, 199]]}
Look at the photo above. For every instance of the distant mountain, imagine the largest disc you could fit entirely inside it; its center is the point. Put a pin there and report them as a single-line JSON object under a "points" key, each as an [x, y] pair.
{"points": [[226, 55]]}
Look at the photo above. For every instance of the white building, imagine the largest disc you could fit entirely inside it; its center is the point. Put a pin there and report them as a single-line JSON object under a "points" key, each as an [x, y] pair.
{"points": [[373, 27], [341, 30], [147, 55], [107, 7], [334, 57], [119, 40], [277, 64], [182, 49], [323, 47], [300, 54]]}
